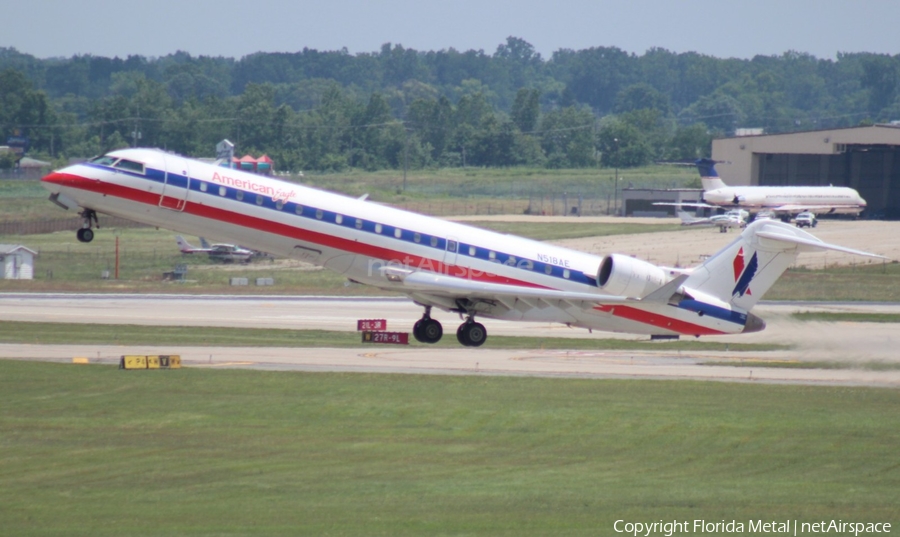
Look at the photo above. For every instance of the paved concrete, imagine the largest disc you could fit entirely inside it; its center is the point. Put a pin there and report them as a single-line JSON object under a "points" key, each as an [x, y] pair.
{"points": [[845, 342]]}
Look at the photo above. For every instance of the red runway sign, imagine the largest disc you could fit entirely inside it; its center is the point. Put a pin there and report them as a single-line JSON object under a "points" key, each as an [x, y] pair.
{"points": [[391, 338], [371, 324]]}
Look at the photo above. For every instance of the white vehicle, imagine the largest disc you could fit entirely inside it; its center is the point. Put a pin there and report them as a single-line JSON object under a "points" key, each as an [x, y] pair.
{"points": [[735, 218], [438, 264], [805, 219], [784, 201]]}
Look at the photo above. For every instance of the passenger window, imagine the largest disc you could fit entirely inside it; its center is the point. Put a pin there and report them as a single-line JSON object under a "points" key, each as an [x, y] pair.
{"points": [[548, 269], [492, 255], [338, 218], [378, 228], [259, 199], [434, 241], [398, 232], [451, 246], [240, 195], [472, 251], [566, 274], [298, 209], [279, 205], [319, 214], [417, 237], [223, 191], [203, 187], [359, 223]]}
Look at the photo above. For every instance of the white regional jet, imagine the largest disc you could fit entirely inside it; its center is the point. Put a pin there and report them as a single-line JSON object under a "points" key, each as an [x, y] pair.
{"points": [[438, 264], [784, 201]]}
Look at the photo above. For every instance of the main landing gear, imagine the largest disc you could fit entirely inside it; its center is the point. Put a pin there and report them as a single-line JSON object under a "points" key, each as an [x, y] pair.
{"points": [[426, 329], [469, 334], [86, 234]]}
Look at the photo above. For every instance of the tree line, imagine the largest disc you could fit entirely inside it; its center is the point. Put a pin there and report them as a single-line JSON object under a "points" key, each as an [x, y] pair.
{"points": [[329, 110]]}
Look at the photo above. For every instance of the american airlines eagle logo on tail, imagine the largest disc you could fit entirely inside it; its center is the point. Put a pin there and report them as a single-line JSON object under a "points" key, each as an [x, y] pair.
{"points": [[743, 274]]}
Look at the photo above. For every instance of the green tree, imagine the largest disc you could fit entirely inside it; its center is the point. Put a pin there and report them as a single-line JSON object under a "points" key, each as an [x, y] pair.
{"points": [[526, 109], [690, 143], [641, 96], [567, 137], [622, 145]]}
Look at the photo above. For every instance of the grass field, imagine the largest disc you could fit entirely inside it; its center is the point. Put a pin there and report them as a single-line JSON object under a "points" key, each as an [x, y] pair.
{"points": [[145, 254], [94, 451]]}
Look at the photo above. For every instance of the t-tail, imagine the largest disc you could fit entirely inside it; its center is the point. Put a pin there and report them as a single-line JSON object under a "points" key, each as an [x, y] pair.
{"points": [[738, 276], [708, 175]]}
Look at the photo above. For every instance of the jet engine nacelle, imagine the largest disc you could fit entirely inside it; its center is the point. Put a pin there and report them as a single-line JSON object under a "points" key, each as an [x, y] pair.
{"points": [[622, 275]]}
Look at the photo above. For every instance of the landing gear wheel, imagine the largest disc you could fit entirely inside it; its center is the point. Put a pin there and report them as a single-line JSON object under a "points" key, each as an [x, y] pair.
{"points": [[471, 334], [85, 235], [428, 330]]}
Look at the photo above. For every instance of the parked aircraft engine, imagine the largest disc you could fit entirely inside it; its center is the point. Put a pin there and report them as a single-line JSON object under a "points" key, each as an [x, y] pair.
{"points": [[622, 275]]}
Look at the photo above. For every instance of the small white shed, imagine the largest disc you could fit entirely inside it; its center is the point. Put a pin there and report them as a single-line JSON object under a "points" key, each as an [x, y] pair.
{"points": [[17, 262]]}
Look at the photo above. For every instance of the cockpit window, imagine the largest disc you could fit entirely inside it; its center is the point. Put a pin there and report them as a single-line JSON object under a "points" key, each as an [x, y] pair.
{"points": [[130, 165], [104, 160]]}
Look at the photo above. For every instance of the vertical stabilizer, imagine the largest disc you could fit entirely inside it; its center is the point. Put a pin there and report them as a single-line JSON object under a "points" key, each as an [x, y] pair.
{"points": [[742, 272], [708, 175], [183, 245]]}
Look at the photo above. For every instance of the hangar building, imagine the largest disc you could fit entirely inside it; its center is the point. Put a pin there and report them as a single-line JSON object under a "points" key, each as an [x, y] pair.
{"points": [[864, 158]]}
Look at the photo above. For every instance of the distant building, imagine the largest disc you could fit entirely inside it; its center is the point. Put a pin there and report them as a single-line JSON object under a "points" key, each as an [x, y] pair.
{"points": [[864, 158], [17, 262]]}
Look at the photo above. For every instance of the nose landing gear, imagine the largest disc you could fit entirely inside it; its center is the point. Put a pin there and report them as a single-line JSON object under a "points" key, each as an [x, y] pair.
{"points": [[86, 234]]}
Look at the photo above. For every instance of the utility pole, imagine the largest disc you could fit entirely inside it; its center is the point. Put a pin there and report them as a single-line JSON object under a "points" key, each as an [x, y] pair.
{"points": [[616, 187], [405, 158]]}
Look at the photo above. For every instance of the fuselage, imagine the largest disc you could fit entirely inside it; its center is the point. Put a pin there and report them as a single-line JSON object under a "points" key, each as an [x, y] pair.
{"points": [[356, 238], [844, 200]]}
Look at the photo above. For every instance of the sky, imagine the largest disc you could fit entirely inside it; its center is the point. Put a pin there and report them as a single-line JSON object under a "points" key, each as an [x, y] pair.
{"points": [[235, 28]]}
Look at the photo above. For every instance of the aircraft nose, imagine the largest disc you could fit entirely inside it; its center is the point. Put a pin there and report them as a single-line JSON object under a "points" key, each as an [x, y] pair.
{"points": [[53, 180], [753, 324]]}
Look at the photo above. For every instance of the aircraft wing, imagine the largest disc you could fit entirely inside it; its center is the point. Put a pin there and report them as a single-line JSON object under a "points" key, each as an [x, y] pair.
{"points": [[796, 208], [688, 204], [460, 288]]}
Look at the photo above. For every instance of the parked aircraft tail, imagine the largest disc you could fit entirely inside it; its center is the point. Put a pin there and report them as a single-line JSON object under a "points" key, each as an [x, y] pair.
{"points": [[687, 219], [708, 175], [184, 245]]}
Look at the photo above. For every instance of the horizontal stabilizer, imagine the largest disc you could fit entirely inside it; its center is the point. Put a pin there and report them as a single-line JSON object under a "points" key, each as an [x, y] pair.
{"points": [[808, 244]]}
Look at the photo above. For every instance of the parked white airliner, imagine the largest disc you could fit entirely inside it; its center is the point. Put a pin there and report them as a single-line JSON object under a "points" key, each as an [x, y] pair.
{"points": [[784, 201], [436, 263]]}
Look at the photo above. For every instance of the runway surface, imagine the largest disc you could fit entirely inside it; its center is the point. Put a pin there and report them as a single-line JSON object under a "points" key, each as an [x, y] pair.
{"points": [[812, 341]]}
